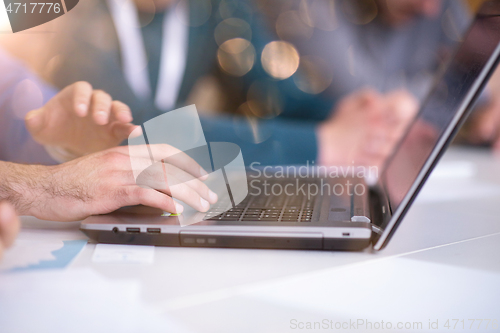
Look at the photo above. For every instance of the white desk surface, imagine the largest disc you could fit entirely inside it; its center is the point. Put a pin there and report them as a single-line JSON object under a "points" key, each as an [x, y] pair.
{"points": [[443, 263]]}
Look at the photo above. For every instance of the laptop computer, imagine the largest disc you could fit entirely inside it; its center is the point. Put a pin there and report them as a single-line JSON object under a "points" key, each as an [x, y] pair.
{"points": [[351, 219]]}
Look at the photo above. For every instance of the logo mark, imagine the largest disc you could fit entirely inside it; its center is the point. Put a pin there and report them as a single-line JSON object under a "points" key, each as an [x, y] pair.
{"points": [[182, 130]]}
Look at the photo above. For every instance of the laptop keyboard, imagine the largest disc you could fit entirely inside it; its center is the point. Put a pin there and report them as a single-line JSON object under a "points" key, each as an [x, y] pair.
{"points": [[270, 208]]}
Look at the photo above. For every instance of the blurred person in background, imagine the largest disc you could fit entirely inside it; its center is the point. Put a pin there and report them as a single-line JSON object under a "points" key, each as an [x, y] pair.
{"points": [[383, 44], [152, 55], [345, 45]]}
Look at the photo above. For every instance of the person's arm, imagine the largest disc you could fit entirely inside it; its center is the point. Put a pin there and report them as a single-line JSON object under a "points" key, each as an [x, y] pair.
{"points": [[20, 92], [101, 183], [9, 226], [363, 130], [268, 142]]}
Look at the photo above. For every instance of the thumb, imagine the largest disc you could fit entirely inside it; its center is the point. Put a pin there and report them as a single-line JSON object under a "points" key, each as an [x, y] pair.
{"points": [[34, 121]]}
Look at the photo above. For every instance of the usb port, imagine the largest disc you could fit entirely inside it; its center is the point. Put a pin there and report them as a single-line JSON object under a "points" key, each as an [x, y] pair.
{"points": [[346, 234], [154, 230], [136, 230]]}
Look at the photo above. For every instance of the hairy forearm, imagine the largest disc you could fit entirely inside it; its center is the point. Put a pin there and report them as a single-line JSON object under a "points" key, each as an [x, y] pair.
{"points": [[24, 185]]}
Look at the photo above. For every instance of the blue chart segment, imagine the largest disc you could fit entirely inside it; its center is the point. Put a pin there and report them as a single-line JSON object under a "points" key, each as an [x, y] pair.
{"points": [[28, 14], [63, 257]]}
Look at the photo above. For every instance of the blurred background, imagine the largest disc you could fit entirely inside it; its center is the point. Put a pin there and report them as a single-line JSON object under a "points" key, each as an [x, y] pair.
{"points": [[261, 58]]}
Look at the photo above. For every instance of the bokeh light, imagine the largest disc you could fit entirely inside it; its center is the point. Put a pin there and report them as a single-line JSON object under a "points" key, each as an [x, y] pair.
{"points": [[52, 66], [236, 56], [232, 28], [235, 8], [319, 14], [313, 76], [280, 59], [251, 131], [264, 99], [360, 11], [289, 26]]}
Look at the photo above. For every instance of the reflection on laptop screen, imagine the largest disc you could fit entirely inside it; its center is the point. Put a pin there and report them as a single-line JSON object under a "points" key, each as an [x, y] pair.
{"points": [[452, 93]]}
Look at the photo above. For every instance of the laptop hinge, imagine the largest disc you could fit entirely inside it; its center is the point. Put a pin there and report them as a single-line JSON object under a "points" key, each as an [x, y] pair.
{"points": [[376, 229], [376, 212]]}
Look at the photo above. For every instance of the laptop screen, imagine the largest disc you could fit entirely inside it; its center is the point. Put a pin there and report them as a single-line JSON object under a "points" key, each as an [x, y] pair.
{"points": [[450, 98]]}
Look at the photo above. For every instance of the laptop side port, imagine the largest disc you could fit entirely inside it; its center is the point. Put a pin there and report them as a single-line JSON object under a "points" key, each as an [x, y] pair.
{"points": [[134, 230], [346, 234], [154, 230]]}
